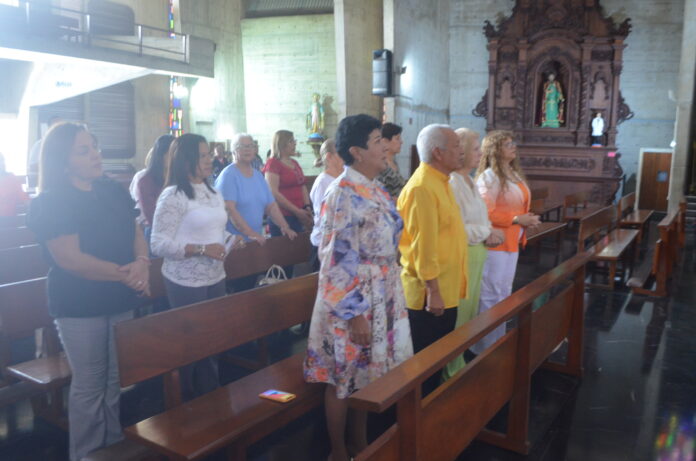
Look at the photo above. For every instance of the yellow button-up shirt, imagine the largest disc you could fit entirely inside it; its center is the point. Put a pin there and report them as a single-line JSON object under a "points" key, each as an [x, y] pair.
{"points": [[433, 244]]}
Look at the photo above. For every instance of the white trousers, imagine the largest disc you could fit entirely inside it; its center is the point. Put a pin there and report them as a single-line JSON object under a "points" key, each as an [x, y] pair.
{"points": [[496, 285], [93, 402]]}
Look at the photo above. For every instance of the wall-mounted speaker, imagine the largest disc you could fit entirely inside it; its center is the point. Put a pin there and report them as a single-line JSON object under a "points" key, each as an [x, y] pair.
{"points": [[382, 72]]}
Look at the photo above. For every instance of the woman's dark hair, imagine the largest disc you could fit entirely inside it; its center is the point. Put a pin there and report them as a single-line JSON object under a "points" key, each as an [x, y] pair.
{"points": [[389, 130], [157, 168], [354, 130], [55, 153], [184, 155]]}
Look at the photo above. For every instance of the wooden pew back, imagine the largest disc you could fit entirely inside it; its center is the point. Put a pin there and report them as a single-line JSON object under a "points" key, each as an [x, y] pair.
{"points": [[161, 343], [595, 226], [248, 260], [23, 311], [440, 426], [22, 263], [626, 205], [12, 222], [16, 237], [576, 200], [540, 193], [536, 206]]}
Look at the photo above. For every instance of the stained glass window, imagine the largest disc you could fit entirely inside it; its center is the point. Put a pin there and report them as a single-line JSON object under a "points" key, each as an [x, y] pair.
{"points": [[176, 110]]}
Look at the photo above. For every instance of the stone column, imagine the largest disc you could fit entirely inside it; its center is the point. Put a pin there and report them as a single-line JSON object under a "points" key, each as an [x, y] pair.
{"points": [[685, 97], [358, 33]]}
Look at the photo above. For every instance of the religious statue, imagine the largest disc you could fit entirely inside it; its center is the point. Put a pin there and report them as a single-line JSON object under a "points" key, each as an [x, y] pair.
{"points": [[552, 104], [315, 125], [315, 116], [597, 130]]}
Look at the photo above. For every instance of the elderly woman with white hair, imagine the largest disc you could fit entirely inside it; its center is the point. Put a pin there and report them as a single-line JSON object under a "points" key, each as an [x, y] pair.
{"points": [[248, 199], [479, 232], [333, 166]]}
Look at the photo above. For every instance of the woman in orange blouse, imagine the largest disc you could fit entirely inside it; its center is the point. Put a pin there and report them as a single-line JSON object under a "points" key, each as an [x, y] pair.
{"points": [[502, 186]]}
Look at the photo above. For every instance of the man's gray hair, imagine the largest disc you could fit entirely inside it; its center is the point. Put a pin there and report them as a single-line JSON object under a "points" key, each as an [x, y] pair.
{"points": [[236, 141], [429, 138]]}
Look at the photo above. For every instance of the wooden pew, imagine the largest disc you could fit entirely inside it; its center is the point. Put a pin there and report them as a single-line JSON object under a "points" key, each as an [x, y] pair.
{"points": [[540, 206], [11, 222], [576, 206], [609, 244], [232, 416], [23, 311], [28, 299], [631, 218], [652, 280], [16, 237], [22, 263], [440, 426]]}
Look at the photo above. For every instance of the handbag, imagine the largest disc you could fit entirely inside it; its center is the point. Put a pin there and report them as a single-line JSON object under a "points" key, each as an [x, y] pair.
{"points": [[274, 274]]}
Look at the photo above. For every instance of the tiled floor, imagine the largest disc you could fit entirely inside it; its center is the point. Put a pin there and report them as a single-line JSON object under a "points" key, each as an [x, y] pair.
{"points": [[636, 402]]}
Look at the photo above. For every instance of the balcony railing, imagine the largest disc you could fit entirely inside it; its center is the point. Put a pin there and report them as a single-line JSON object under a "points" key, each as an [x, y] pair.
{"points": [[34, 19]]}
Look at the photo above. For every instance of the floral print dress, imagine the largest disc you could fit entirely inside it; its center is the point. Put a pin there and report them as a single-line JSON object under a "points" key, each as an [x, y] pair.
{"points": [[359, 275]]}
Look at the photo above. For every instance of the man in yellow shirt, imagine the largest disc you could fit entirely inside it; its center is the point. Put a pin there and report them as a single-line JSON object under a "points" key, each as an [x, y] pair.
{"points": [[433, 245]]}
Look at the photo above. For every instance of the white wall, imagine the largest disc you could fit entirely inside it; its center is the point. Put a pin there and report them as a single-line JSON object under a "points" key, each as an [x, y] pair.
{"points": [[418, 34], [286, 60]]}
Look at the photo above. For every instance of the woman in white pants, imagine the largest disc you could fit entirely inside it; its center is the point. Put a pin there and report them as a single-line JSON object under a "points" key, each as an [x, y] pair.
{"points": [[502, 186], [98, 264]]}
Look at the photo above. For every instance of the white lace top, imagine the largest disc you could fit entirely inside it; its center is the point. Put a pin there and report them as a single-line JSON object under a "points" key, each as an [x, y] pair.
{"points": [[179, 221]]}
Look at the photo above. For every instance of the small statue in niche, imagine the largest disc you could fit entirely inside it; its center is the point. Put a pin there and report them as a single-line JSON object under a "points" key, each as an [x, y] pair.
{"points": [[315, 116], [315, 126], [597, 130], [552, 103]]}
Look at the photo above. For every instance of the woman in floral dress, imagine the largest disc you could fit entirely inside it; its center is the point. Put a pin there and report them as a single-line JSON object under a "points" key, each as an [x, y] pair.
{"points": [[359, 328]]}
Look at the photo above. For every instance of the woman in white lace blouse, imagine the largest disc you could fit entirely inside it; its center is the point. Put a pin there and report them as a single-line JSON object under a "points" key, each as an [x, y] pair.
{"points": [[188, 231], [479, 231]]}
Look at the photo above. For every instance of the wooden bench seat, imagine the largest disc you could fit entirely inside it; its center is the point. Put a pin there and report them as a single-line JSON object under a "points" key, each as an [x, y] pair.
{"points": [[232, 412], [543, 207], [632, 218], [543, 230], [44, 372], [652, 279], [23, 312], [610, 245], [232, 416], [577, 207]]}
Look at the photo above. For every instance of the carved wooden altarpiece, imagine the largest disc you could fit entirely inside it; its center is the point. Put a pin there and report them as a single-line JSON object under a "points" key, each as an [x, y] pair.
{"points": [[575, 41]]}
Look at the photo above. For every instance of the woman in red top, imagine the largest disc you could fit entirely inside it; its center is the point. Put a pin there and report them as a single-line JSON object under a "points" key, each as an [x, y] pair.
{"points": [[287, 182], [11, 192], [152, 182]]}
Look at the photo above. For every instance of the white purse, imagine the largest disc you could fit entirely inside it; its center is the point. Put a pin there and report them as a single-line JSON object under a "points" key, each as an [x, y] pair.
{"points": [[274, 274]]}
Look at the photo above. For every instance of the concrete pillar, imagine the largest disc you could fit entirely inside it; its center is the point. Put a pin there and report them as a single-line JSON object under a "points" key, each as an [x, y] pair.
{"points": [[685, 99], [358, 27], [217, 106]]}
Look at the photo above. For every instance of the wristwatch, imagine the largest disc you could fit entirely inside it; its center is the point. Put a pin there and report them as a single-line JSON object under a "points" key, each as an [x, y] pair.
{"points": [[201, 250], [515, 220]]}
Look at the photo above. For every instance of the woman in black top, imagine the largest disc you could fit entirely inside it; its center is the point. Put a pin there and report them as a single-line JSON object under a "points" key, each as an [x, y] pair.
{"points": [[98, 265]]}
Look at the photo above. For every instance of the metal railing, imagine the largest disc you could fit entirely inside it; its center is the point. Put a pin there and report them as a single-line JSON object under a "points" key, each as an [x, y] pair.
{"points": [[77, 27]]}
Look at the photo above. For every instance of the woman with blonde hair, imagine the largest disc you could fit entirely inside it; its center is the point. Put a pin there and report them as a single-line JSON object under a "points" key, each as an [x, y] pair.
{"points": [[479, 230], [502, 186]]}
